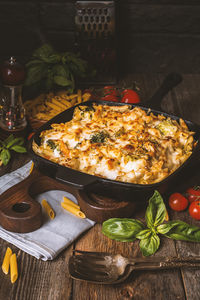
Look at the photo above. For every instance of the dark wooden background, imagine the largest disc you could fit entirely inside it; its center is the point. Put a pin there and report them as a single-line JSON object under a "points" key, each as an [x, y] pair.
{"points": [[154, 35]]}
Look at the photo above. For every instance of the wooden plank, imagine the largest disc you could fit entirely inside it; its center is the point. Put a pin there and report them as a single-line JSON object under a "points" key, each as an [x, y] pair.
{"points": [[141, 285], [37, 279], [187, 97]]}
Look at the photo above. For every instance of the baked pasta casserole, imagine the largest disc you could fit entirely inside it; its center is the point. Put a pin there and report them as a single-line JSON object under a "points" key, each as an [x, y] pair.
{"points": [[122, 143]]}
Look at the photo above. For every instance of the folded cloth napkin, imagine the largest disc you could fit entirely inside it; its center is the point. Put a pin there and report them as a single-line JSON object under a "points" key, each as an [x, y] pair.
{"points": [[54, 235]]}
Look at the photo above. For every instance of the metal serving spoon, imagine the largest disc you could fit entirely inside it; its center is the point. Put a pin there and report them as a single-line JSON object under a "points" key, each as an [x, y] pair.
{"points": [[106, 268]]}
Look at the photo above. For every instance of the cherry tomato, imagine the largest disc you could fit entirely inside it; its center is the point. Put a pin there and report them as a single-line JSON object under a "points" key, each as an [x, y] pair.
{"points": [[178, 202], [110, 90], [110, 98], [130, 96], [194, 209], [193, 193]]}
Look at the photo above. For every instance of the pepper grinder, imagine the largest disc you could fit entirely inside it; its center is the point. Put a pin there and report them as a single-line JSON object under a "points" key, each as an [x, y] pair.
{"points": [[12, 112]]}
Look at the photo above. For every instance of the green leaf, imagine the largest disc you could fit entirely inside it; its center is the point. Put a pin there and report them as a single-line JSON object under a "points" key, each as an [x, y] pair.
{"points": [[150, 245], [143, 234], [53, 59], [5, 156], [59, 70], [121, 239], [121, 228], [35, 74], [9, 139], [43, 52], [156, 211], [60, 80], [49, 82], [183, 231], [164, 228], [18, 141], [18, 149]]}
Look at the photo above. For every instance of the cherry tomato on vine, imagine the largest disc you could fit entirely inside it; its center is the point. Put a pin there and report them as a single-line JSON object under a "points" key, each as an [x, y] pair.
{"points": [[194, 210], [178, 202], [193, 193], [110, 90], [110, 98], [130, 96], [110, 93]]}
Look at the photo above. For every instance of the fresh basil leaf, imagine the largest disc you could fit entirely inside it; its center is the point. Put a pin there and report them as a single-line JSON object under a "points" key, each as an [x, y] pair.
{"points": [[53, 59], [44, 51], [18, 141], [156, 210], [49, 82], [120, 239], [121, 228], [59, 70], [63, 81], [183, 231], [143, 234], [164, 228], [9, 139], [150, 245], [5, 156], [35, 74], [18, 149]]}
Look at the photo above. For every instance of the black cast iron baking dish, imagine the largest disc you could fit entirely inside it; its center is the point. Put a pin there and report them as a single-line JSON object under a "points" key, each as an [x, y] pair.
{"points": [[106, 187]]}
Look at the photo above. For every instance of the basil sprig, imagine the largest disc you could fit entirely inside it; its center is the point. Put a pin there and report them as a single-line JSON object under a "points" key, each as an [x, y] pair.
{"points": [[127, 230], [10, 143], [47, 69]]}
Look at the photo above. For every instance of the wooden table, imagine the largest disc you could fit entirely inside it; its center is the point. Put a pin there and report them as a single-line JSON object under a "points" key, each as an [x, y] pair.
{"points": [[50, 280]]}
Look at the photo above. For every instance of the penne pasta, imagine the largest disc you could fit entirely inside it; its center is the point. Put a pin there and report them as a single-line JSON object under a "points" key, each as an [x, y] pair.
{"points": [[13, 268], [31, 169], [70, 202], [54, 106], [6, 261], [72, 209], [48, 209], [58, 103], [79, 99]]}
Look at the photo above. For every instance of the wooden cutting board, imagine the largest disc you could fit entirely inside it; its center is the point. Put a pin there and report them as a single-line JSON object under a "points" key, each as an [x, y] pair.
{"points": [[19, 212]]}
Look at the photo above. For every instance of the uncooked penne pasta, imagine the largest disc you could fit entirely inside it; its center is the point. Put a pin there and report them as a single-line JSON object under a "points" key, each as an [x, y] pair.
{"points": [[48, 209], [31, 169], [79, 99], [6, 261], [72, 209], [67, 200], [13, 268], [59, 104]]}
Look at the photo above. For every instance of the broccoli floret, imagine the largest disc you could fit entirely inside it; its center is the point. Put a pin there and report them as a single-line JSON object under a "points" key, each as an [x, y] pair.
{"points": [[51, 144], [99, 137], [166, 127]]}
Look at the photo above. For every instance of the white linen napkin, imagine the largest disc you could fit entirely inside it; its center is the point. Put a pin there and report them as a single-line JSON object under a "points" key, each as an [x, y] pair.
{"points": [[54, 235]]}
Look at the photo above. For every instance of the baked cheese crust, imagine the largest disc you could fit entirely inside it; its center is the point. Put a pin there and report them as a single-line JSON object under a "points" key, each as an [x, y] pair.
{"points": [[118, 142]]}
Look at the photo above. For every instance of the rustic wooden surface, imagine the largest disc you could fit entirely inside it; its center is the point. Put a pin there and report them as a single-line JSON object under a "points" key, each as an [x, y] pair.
{"points": [[50, 280]]}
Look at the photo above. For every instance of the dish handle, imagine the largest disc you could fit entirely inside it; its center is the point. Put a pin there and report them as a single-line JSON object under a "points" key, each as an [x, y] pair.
{"points": [[170, 81], [75, 178]]}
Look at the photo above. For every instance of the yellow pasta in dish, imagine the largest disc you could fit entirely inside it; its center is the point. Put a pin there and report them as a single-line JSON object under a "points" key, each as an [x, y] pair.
{"points": [[49, 210], [6, 261], [73, 209], [13, 268], [122, 143]]}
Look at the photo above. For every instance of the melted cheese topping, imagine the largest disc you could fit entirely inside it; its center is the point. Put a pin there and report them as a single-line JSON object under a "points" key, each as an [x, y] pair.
{"points": [[118, 142]]}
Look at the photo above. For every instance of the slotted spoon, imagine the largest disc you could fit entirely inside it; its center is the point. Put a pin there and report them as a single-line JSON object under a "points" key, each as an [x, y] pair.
{"points": [[106, 268]]}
